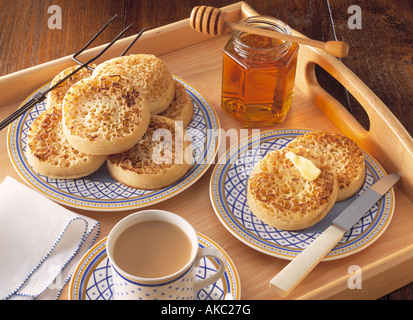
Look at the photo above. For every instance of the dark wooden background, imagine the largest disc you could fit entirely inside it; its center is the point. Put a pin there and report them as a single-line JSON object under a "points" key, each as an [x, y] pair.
{"points": [[381, 52]]}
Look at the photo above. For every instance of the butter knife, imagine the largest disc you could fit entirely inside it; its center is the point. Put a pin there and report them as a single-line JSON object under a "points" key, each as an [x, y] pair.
{"points": [[288, 278]]}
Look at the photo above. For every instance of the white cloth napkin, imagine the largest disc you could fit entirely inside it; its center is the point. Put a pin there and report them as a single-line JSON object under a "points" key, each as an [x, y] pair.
{"points": [[40, 243]]}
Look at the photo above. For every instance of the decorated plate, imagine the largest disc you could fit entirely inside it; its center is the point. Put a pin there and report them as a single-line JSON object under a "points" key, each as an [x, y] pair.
{"points": [[228, 197], [98, 191], [92, 278]]}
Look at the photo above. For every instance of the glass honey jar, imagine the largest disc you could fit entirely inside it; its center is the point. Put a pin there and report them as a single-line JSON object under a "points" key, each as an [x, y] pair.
{"points": [[258, 74]]}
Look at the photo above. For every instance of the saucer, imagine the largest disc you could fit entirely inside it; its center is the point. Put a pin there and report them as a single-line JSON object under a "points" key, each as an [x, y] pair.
{"points": [[92, 278]]}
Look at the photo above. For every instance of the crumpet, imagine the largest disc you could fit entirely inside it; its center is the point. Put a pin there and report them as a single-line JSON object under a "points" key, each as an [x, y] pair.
{"points": [[148, 73], [341, 154], [104, 115], [55, 97], [279, 195], [160, 158], [49, 152], [181, 108]]}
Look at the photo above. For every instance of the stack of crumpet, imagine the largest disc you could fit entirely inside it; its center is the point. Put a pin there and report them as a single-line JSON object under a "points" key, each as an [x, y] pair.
{"points": [[96, 116]]}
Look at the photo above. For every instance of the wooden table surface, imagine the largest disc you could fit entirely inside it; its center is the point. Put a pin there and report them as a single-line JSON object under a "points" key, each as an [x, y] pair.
{"points": [[381, 52]]}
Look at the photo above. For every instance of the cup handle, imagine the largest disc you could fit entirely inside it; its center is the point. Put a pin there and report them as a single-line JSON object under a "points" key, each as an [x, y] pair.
{"points": [[215, 253]]}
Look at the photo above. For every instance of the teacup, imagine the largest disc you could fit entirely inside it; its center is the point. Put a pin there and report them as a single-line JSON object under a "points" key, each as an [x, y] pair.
{"points": [[169, 284]]}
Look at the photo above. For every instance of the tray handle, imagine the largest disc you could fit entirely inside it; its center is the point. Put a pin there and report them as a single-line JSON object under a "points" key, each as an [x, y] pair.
{"points": [[387, 140]]}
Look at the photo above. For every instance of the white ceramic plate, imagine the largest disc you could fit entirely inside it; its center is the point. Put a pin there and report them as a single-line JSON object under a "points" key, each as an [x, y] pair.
{"points": [[228, 197], [98, 191]]}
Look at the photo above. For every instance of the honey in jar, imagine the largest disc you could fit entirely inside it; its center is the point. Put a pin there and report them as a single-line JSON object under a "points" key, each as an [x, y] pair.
{"points": [[258, 74]]}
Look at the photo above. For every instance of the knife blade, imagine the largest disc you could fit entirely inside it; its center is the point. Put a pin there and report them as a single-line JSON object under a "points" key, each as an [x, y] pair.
{"points": [[289, 277]]}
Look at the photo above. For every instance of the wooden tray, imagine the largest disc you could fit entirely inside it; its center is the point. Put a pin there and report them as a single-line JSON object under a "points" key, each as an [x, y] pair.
{"points": [[385, 265]]}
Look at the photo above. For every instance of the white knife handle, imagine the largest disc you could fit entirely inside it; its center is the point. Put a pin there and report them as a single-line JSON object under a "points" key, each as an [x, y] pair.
{"points": [[300, 266]]}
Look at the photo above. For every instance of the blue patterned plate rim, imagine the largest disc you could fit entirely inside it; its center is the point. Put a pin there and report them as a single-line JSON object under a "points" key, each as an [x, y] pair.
{"points": [[91, 278], [227, 194], [99, 192]]}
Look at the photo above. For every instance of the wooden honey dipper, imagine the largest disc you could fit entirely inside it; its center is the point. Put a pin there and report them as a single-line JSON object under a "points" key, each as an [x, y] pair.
{"points": [[211, 21]]}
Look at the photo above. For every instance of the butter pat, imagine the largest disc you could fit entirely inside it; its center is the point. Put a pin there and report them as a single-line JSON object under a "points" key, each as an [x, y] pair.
{"points": [[306, 167]]}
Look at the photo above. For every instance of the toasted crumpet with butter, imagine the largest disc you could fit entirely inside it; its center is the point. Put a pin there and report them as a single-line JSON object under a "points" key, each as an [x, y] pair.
{"points": [[104, 115], [181, 108], [341, 154], [148, 73], [55, 97], [160, 158], [282, 197], [49, 152]]}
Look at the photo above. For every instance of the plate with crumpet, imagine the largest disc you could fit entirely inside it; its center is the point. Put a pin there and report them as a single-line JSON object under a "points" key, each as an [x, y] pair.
{"points": [[228, 197], [98, 191]]}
